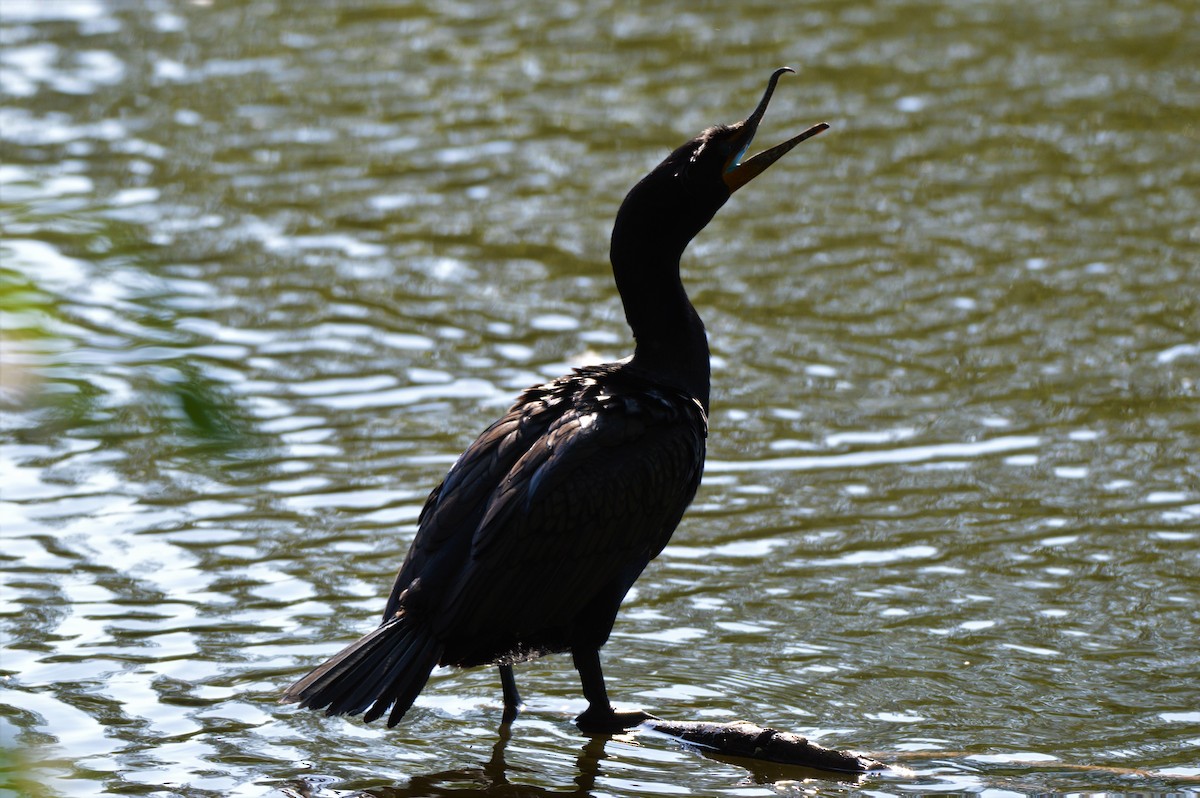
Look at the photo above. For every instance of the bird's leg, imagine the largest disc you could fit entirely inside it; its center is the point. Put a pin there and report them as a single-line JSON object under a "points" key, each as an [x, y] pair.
{"points": [[512, 699], [600, 715]]}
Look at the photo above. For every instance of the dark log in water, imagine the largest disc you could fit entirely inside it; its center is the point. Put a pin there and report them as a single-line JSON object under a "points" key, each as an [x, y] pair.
{"points": [[743, 739]]}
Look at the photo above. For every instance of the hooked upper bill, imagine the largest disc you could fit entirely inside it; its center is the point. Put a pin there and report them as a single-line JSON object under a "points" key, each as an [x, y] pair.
{"points": [[739, 173]]}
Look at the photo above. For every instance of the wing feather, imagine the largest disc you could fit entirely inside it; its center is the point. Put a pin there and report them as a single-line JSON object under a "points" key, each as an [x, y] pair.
{"points": [[565, 498], [594, 501]]}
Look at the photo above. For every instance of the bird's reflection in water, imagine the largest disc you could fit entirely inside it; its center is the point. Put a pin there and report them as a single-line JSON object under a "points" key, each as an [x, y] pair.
{"points": [[492, 778]]}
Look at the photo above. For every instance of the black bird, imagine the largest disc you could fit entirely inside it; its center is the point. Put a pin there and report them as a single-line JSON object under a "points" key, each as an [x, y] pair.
{"points": [[532, 540]]}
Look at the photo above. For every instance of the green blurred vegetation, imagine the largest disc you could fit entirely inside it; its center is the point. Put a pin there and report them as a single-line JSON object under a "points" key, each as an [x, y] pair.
{"points": [[37, 372], [16, 779]]}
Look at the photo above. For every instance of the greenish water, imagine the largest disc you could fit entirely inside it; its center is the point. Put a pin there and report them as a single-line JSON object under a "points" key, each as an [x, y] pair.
{"points": [[267, 268]]}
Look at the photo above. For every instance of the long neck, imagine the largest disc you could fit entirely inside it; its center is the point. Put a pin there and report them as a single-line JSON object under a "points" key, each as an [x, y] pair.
{"points": [[670, 339]]}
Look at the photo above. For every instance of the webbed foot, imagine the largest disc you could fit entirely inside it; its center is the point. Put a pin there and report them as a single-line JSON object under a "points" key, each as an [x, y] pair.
{"points": [[606, 720]]}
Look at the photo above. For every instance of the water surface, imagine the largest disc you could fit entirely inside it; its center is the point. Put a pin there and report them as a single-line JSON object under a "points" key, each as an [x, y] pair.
{"points": [[267, 268]]}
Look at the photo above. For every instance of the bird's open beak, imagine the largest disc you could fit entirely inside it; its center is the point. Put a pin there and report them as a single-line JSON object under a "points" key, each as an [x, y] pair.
{"points": [[737, 173]]}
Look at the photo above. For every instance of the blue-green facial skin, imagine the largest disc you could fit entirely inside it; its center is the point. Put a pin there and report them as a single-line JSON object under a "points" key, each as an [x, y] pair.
{"points": [[737, 159]]}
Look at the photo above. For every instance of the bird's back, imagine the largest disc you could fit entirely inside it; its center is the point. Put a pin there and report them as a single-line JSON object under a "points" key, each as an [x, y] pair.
{"points": [[545, 521]]}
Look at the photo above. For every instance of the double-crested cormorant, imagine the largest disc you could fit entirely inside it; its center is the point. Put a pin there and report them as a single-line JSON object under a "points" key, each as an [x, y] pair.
{"points": [[530, 543]]}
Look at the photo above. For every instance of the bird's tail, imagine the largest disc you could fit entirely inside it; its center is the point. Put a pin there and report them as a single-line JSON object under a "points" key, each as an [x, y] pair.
{"points": [[386, 668]]}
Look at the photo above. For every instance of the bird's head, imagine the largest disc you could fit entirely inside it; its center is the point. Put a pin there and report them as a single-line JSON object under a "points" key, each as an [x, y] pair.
{"points": [[681, 195]]}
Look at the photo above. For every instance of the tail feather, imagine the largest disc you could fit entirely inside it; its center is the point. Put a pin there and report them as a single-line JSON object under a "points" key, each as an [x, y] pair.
{"points": [[375, 686], [406, 697], [404, 685], [385, 668], [328, 684]]}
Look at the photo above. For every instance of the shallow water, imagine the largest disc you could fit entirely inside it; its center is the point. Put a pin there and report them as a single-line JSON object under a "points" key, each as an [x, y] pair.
{"points": [[952, 509]]}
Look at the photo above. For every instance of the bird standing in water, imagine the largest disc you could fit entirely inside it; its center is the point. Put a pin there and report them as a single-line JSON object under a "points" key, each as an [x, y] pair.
{"points": [[532, 540]]}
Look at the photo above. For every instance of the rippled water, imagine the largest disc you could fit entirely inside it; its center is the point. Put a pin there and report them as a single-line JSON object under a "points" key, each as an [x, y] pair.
{"points": [[267, 268]]}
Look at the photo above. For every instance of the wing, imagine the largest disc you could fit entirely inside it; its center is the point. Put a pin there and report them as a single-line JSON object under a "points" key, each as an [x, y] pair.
{"points": [[581, 512], [453, 510]]}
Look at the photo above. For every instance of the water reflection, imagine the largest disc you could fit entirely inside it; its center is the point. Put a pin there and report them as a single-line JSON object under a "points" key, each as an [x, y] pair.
{"points": [[493, 777], [597, 769]]}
